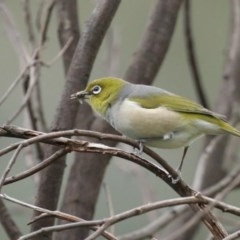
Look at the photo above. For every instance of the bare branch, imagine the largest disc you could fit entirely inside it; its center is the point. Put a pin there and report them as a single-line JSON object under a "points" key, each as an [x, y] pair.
{"points": [[29, 21], [233, 236], [109, 204], [57, 214], [25, 100], [180, 187], [106, 222], [68, 28], [13, 33], [191, 54], [77, 77], [37, 167], [8, 223], [36, 136], [168, 217], [15, 82], [63, 51], [150, 229], [45, 24], [9, 166]]}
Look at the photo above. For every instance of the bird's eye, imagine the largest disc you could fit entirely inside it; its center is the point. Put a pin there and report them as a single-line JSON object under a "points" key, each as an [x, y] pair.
{"points": [[96, 90]]}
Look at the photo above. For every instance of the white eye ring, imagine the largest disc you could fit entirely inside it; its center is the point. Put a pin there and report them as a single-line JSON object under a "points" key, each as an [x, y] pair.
{"points": [[96, 89]]}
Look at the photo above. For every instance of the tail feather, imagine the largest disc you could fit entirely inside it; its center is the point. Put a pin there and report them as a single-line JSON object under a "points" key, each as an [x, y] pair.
{"points": [[230, 129]]}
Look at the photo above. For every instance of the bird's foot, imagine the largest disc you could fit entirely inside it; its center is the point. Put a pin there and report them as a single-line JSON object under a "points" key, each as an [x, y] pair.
{"points": [[176, 179], [138, 150]]}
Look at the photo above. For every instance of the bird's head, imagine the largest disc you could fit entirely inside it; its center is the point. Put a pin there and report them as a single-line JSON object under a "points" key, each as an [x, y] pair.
{"points": [[101, 93]]}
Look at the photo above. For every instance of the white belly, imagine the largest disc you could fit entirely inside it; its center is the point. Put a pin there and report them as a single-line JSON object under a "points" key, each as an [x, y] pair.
{"points": [[157, 127]]}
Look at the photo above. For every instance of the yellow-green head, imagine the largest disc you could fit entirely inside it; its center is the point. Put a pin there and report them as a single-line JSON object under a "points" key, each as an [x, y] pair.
{"points": [[101, 93]]}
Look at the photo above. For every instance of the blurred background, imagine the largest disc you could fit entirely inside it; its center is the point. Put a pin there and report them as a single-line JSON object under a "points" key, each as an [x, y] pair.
{"points": [[125, 181]]}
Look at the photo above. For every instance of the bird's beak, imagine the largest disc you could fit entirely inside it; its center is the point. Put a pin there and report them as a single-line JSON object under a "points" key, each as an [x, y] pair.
{"points": [[82, 95]]}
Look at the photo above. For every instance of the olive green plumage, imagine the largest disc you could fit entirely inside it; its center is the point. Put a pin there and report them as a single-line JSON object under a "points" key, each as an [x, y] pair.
{"points": [[152, 115]]}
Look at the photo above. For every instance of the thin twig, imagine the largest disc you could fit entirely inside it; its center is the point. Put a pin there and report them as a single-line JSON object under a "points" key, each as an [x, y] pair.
{"points": [[24, 102], [31, 118], [57, 214], [13, 33], [114, 219], [10, 165], [61, 52], [13, 131], [233, 236], [166, 218], [150, 229], [37, 167], [109, 204], [45, 24], [8, 222], [28, 21], [222, 184], [16, 81], [180, 186], [84, 146], [162, 204], [190, 48]]}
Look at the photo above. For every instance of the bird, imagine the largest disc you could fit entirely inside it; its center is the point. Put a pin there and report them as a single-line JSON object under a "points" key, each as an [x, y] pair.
{"points": [[153, 116]]}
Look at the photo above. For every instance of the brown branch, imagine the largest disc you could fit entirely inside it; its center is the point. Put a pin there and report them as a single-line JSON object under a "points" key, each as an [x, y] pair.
{"points": [[180, 187], [15, 82], [168, 217], [48, 213], [68, 27], [25, 100], [154, 226], [191, 54], [34, 104], [109, 202], [224, 183], [29, 21], [10, 165], [8, 223], [38, 167], [106, 222], [32, 117], [13, 33], [36, 100], [233, 236], [56, 138], [78, 73], [45, 23]]}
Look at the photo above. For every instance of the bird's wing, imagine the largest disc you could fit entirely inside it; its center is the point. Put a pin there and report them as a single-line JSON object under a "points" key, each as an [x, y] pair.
{"points": [[173, 102]]}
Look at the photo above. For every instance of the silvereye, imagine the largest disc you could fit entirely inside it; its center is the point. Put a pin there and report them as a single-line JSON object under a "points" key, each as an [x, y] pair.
{"points": [[152, 115]]}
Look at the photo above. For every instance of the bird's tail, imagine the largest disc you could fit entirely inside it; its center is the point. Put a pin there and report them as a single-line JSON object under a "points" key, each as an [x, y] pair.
{"points": [[230, 129]]}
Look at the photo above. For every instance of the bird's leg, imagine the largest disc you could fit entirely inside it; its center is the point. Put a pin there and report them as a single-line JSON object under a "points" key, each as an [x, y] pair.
{"points": [[179, 169]]}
